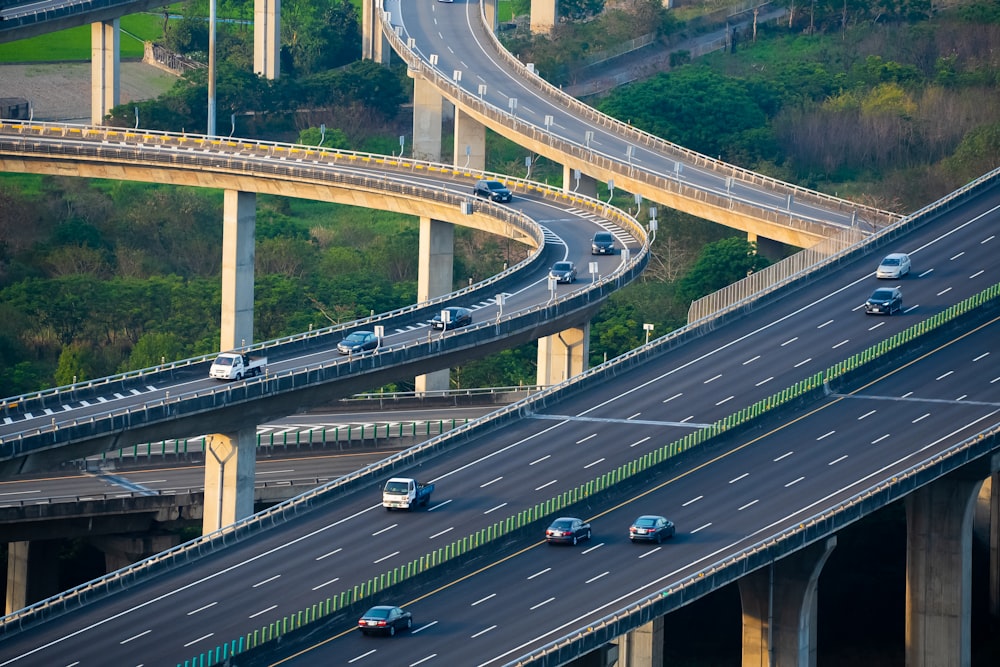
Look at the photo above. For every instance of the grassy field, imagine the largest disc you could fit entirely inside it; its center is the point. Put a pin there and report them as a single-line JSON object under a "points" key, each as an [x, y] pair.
{"points": [[74, 44]]}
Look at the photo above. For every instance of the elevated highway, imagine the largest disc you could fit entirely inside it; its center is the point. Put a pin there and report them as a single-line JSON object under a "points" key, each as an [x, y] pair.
{"points": [[181, 401], [593, 426]]}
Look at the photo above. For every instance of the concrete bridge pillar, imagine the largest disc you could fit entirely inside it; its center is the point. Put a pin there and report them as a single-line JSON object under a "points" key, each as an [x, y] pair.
{"points": [[470, 142], [267, 38], [579, 183], [436, 268], [373, 43], [544, 14], [779, 609], [239, 220], [230, 464], [427, 106], [563, 355], [30, 568], [105, 65], [643, 647], [939, 573]]}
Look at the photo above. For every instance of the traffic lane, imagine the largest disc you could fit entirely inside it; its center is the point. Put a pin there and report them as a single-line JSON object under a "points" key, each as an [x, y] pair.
{"points": [[832, 323], [702, 526]]}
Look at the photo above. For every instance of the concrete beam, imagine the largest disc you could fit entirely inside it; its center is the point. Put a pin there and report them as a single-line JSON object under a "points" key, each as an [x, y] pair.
{"points": [[939, 573], [436, 264], [238, 229], [267, 38], [563, 355], [230, 464], [105, 64], [780, 608], [29, 569]]}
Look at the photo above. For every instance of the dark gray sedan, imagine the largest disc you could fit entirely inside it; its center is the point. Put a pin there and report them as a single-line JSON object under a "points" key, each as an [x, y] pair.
{"points": [[359, 341], [385, 620], [563, 272]]}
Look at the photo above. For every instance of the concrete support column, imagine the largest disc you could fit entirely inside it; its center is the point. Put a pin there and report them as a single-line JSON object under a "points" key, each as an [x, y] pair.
{"points": [[779, 609], [267, 38], [373, 43], [584, 185], [32, 573], [230, 463], [436, 268], [470, 142], [17, 575], [939, 573], [239, 221], [563, 355], [544, 14], [643, 647], [105, 69], [427, 105]]}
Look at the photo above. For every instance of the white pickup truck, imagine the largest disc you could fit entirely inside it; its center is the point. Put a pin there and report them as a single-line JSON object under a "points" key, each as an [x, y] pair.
{"points": [[234, 366], [406, 493]]}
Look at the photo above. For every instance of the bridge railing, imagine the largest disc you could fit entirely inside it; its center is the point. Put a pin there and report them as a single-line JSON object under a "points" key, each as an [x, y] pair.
{"points": [[300, 162], [187, 404], [877, 217], [673, 182], [839, 249], [859, 213]]}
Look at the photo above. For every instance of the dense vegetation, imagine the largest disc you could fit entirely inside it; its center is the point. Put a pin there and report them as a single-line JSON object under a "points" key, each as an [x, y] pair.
{"points": [[96, 277]]}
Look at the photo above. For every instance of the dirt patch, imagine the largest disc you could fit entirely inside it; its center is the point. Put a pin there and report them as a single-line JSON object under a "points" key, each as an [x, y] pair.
{"points": [[61, 91]]}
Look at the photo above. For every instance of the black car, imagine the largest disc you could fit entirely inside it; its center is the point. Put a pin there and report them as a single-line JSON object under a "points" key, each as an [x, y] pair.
{"points": [[385, 620], [603, 244], [651, 528], [494, 190], [458, 317], [563, 272], [359, 341], [567, 530], [884, 300]]}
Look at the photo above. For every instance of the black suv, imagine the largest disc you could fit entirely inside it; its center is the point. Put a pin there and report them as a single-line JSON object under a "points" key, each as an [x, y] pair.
{"points": [[494, 190]]}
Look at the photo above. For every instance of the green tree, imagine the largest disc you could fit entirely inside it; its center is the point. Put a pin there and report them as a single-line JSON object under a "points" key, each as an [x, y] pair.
{"points": [[152, 349], [76, 364]]}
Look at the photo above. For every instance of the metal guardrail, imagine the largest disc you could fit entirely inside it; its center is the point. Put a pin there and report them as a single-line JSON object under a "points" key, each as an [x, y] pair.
{"points": [[836, 250], [299, 162]]}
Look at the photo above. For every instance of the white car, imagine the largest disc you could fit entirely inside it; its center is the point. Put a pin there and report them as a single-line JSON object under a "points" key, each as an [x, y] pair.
{"points": [[895, 265]]}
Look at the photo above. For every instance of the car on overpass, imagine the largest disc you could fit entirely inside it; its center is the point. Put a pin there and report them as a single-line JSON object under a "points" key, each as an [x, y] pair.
{"points": [[884, 301], [603, 243], [456, 317], [492, 190], [563, 272], [651, 528], [385, 620], [567, 530], [895, 265], [359, 341]]}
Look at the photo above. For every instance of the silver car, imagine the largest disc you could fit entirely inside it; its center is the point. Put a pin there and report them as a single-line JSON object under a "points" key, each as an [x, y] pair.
{"points": [[895, 265], [563, 272]]}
